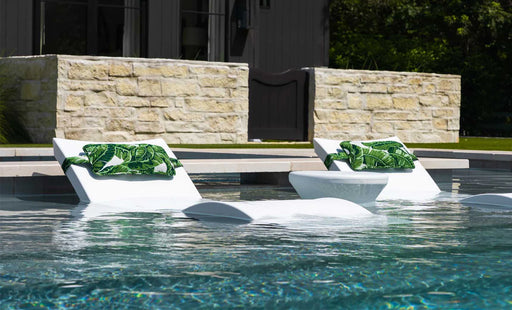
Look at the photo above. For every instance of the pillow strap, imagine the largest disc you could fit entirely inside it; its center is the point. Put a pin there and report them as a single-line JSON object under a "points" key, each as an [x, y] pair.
{"points": [[330, 158], [74, 160]]}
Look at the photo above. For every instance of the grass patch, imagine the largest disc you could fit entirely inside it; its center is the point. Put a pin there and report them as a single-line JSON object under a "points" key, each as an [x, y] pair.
{"points": [[470, 143], [465, 143]]}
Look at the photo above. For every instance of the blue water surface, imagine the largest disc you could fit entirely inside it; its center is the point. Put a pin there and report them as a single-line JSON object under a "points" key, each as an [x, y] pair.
{"points": [[430, 255]]}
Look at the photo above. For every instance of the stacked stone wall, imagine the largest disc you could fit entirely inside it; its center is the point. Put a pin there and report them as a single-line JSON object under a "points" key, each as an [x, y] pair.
{"points": [[188, 102], [357, 104], [121, 99]]}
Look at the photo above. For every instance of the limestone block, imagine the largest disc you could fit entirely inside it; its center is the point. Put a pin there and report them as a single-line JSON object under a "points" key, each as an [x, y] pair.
{"points": [[199, 138], [218, 81], [378, 101], [429, 88], [120, 69], [148, 115], [74, 103], [96, 111], [333, 104], [126, 87], [446, 112], [119, 124], [115, 136], [453, 124], [225, 123], [209, 105], [239, 92], [431, 100], [440, 123], [382, 127], [121, 112], [149, 87], [173, 126], [180, 115], [219, 92], [91, 134], [449, 85], [149, 127], [391, 115], [162, 102], [101, 99], [177, 87], [88, 71], [454, 99], [374, 88], [400, 89], [134, 102], [30, 90], [209, 70], [406, 103], [335, 92], [341, 79], [354, 101], [79, 85]]}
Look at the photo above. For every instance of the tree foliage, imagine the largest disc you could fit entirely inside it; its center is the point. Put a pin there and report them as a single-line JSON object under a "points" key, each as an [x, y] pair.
{"points": [[472, 38]]}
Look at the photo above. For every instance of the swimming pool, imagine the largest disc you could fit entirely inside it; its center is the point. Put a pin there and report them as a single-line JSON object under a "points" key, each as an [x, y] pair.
{"points": [[436, 254]]}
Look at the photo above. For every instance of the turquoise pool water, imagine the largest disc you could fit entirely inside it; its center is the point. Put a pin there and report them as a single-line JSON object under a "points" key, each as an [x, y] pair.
{"points": [[432, 255]]}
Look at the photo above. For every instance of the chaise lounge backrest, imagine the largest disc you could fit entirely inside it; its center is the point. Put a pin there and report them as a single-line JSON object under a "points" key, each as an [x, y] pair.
{"points": [[92, 188], [410, 184]]}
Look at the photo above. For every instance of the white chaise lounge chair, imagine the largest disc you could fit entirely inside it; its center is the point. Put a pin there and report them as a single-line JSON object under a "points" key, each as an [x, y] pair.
{"points": [[408, 184], [490, 199], [180, 194]]}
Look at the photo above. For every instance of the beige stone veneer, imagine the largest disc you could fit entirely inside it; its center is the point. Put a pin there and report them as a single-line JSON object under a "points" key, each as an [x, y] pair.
{"points": [[121, 99], [358, 104]]}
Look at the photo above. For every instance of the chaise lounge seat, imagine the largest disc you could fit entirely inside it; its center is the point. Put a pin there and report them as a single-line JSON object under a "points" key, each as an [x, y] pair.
{"points": [[490, 199], [178, 193], [379, 184]]}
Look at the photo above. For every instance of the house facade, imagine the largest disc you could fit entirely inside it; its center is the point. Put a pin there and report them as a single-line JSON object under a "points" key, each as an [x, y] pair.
{"points": [[271, 35]]}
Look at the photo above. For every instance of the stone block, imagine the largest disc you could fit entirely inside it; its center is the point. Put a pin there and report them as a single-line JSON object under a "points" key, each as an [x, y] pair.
{"points": [[336, 79], [180, 115], [161, 102], [176, 87], [148, 115], [103, 99], [209, 105], [431, 101], [374, 88], [91, 134], [149, 128], [120, 124], [440, 123], [382, 127], [150, 87], [120, 69], [173, 126], [378, 101], [74, 103], [88, 71], [406, 103], [354, 101], [117, 136], [134, 102], [218, 81], [126, 87], [224, 123]]}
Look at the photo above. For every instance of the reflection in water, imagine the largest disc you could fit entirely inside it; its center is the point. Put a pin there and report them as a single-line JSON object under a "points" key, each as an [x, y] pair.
{"points": [[434, 254]]}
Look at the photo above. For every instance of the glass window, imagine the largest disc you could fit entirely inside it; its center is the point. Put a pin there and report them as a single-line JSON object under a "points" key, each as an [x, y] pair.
{"points": [[202, 30], [95, 27]]}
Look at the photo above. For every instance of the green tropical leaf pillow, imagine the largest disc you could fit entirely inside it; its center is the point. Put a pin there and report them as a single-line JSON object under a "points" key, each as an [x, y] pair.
{"points": [[118, 159], [373, 155]]}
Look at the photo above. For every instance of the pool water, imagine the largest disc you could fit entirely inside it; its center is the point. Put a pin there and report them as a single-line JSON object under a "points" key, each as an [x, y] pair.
{"points": [[431, 255]]}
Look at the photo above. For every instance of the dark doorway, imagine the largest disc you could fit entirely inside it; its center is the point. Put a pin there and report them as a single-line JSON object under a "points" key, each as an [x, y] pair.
{"points": [[278, 105]]}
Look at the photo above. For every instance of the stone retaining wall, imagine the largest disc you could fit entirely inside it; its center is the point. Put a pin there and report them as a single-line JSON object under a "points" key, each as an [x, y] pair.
{"points": [[357, 104], [121, 99]]}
